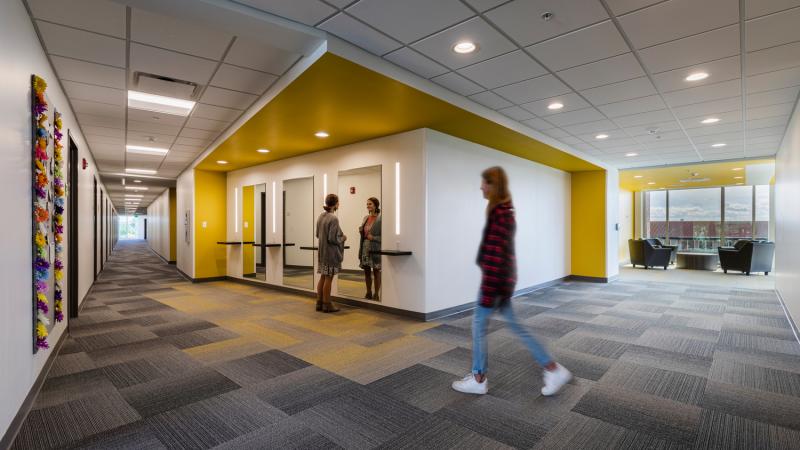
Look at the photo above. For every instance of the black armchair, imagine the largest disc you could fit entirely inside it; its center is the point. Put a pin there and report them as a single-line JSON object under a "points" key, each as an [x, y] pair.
{"points": [[747, 256], [646, 254], [655, 242]]}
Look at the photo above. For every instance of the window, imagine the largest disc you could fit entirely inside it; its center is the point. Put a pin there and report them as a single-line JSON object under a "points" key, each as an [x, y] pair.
{"points": [[694, 219], [738, 214], [657, 215], [761, 224]]}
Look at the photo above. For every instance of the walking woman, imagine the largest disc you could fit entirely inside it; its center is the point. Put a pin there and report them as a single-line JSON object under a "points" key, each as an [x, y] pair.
{"points": [[370, 231], [330, 252], [499, 276]]}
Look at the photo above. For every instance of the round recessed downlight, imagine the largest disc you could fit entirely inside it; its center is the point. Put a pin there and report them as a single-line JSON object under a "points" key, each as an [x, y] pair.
{"points": [[736, 169], [137, 181], [652, 182], [262, 150], [465, 47], [719, 144], [697, 76], [631, 154], [222, 162], [710, 120], [637, 176], [555, 105], [601, 136], [738, 178], [321, 134]]}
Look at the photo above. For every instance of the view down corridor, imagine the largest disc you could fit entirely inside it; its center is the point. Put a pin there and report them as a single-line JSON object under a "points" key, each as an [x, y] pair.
{"points": [[155, 361]]}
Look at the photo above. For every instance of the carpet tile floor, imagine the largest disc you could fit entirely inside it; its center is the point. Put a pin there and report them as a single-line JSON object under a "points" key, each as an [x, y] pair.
{"points": [[156, 362]]}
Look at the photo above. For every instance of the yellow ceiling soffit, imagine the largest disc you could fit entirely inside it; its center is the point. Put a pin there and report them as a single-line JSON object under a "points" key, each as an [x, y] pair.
{"points": [[718, 174], [355, 104]]}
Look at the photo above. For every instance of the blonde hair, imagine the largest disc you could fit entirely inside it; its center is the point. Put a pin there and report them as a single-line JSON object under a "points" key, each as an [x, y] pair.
{"points": [[497, 179]]}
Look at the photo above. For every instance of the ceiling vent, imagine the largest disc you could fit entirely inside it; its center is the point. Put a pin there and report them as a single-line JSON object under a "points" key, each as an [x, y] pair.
{"points": [[166, 86]]}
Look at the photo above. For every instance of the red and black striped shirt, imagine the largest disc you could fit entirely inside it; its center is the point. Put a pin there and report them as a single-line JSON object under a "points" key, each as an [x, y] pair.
{"points": [[496, 256]]}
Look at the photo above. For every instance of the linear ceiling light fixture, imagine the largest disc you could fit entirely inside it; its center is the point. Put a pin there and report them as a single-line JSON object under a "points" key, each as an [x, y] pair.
{"points": [[146, 150], [710, 120], [159, 103], [262, 150], [136, 188], [141, 171], [321, 134], [719, 144], [631, 154]]}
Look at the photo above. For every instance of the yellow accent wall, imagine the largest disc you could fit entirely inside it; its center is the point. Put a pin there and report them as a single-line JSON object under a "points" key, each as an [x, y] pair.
{"points": [[173, 224], [210, 205], [248, 233], [588, 224]]}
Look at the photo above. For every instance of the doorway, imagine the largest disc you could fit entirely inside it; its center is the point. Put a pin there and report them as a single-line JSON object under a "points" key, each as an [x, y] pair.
{"points": [[94, 231], [72, 225]]}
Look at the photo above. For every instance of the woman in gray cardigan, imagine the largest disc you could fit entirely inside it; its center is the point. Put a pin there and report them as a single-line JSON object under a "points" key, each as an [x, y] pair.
{"points": [[330, 252], [370, 231]]}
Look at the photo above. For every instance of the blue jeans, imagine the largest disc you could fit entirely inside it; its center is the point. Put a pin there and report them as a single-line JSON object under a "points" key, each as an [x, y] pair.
{"points": [[480, 319]]}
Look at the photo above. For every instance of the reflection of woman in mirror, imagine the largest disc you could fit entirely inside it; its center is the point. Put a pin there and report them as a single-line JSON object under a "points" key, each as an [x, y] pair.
{"points": [[330, 252], [370, 231]]}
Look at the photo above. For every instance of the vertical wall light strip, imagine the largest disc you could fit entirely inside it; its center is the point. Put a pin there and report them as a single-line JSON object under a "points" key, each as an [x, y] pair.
{"points": [[324, 186], [397, 198], [235, 210], [273, 207]]}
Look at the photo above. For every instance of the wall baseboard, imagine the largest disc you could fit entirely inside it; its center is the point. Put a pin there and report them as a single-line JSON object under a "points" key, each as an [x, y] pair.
{"points": [[591, 279], [792, 323], [172, 262], [27, 404]]}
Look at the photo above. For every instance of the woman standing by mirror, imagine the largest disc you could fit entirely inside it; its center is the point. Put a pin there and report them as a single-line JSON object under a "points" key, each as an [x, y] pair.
{"points": [[330, 252], [369, 259]]}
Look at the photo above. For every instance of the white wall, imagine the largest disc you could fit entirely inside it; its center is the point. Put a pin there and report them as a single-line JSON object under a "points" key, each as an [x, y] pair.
{"points": [[626, 228], [403, 285], [456, 214], [158, 225], [301, 206], [787, 218], [23, 56], [612, 219], [352, 208], [185, 205]]}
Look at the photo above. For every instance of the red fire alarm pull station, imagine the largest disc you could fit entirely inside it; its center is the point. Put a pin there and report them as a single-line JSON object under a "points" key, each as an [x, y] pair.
{"points": [[84, 164], [352, 189]]}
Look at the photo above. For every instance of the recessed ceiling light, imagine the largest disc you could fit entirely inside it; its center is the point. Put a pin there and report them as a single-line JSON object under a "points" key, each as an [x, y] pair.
{"points": [[141, 171], [736, 169], [222, 162], [137, 181], [631, 154], [719, 144], [262, 150], [637, 176], [738, 178], [710, 120], [134, 195], [739, 184], [136, 188], [555, 105], [146, 150], [697, 76], [321, 134], [159, 103], [652, 182], [465, 47], [601, 136]]}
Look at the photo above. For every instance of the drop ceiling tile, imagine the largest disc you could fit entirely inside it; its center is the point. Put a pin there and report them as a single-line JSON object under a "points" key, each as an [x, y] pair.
{"points": [[555, 133], [80, 91], [206, 124], [102, 131], [155, 118], [457, 83], [440, 46], [769, 131], [227, 98], [503, 70], [416, 62], [676, 19], [660, 127], [142, 160], [775, 29], [664, 139], [619, 144], [635, 106], [774, 139], [708, 108], [607, 71], [100, 121], [100, 109], [617, 92], [516, 113], [538, 124], [491, 100], [720, 70], [171, 64], [199, 134], [341, 3], [766, 150], [191, 142], [521, 19], [97, 141], [143, 138], [259, 56], [241, 79], [620, 7], [165, 32], [717, 44], [757, 8], [359, 34], [727, 138], [604, 125], [705, 93], [575, 117], [215, 112], [570, 140], [570, 101], [579, 47], [411, 20], [308, 12], [79, 44], [644, 118], [534, 89], [773, 80], [772, 59], [98, 16], [149, 127], [718, 128], [89, 73], [188, 149], [762, 112]]}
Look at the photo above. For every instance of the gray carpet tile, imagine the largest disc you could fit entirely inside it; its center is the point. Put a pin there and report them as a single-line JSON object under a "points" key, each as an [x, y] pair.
{"points": [[780, 361], [440, 433], [667, 360], [200, 337], [115, 338], [756, 377], [185, 326], [672, 341], [70, 363], [667, 384], [256, 368], [71, 387], [163, 394], [545, 325], [134, 436], [582, 365], [129, 352], [605, 348], [302, 389], [758, 343], [781, 410], [456, 361], [80, 330], [449, 334], [424, 387], [156, 366], [288, 434], [726, 432]]}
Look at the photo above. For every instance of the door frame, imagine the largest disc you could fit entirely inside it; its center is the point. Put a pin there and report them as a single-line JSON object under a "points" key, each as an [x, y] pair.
{"points": [[72, 226]]}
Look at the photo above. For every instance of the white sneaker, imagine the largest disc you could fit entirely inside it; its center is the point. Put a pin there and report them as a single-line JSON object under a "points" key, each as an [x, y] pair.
{"points": [[554, 380], [469, 385]]}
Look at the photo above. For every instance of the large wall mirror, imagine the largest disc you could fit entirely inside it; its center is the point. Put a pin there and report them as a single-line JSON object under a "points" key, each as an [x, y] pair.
{"points": [[360, 215], [298, 233], [260, 231]]}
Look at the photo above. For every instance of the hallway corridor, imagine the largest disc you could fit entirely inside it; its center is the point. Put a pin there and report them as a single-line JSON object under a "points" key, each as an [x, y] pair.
{"points": [[158, 362]]}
